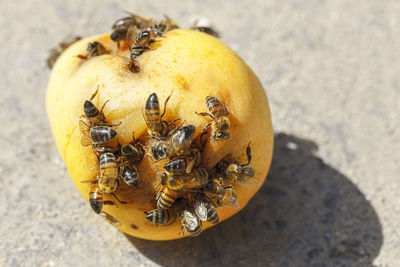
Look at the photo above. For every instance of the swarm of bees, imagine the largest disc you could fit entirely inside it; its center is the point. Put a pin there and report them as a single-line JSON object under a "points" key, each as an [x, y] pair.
{"points": [[186, 188]]}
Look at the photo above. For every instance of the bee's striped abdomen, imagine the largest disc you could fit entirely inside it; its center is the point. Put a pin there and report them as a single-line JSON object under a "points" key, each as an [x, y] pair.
{"points": [[90, 109], [166, 199], [152, 110], [102, 134], [160, 217], [212, 214], [215, 106], [96, 199]]}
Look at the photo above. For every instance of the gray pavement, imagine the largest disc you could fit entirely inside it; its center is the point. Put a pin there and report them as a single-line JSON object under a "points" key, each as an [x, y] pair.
{"points": [[331, 70]]}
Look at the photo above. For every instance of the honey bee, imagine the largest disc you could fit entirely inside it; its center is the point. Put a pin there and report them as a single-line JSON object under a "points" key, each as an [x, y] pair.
{"points": [[190, 223], [198, 178], [206, 211], [202, 25], [121, 26], [93, 50], [133, 151], [184, 165], [212, 214], [166, 198], [215, 191], [177, 143], [220, 124], [229, 198], [130, 175], [161, 217], [92, 113], [108, 173], [156, 126], [235, 172], [208, 30], [96, 199], [96, 135], [139, 41], [165, 25], [56, 52]]}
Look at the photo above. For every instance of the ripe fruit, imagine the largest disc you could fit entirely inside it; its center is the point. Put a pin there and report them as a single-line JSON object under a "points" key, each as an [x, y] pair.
{"points": [[193, 65]]}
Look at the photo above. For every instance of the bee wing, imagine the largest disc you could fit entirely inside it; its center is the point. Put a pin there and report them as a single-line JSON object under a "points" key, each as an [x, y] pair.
{"points": [[252, 181], [200, 210], [85, 129], [233, 203], [91, 181], [131, 34]]}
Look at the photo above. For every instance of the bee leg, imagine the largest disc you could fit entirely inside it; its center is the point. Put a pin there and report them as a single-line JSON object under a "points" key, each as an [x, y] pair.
{"points": [[133, 138], [205, 114], [205, 130], [119, 201], [113, 125], [173, 122], [88, 181], [181, 230], [176, 128], [167, 125], [82, 57], [109, 202], [248, 153], [203, 133], [101, 110]]}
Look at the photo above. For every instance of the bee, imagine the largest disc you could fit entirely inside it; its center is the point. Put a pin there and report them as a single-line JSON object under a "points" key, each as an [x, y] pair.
{"points": [[212, 214], [108, 173], [139, 41], [96, 135], [133, 151], [161, 217], [184, 165], [177, 143], [220, 124], [235, 172], [215, 191], [198, 178], [206, 211], [56, 52], [190, 223], [130, 175], [203, 25], [121, 26], [93, 50], [92, 113], [229, 198], [208, 30], [166, 198], [156, 126], [96, 199], [165, 25]]}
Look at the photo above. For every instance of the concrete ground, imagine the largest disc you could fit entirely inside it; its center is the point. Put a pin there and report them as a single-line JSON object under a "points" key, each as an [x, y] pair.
{"points": [[331, 70]]}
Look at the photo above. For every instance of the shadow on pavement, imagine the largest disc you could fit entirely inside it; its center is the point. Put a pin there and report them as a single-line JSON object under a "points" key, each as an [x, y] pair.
{"points": [[307, 213]]}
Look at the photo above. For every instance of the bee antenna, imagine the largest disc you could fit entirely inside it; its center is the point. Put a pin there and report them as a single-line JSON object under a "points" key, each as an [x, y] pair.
{"points": [[165, 103]]}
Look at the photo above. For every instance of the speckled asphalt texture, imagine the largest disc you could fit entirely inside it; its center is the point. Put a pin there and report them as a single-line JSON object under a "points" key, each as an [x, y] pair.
{"points": [[331, 70]]}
